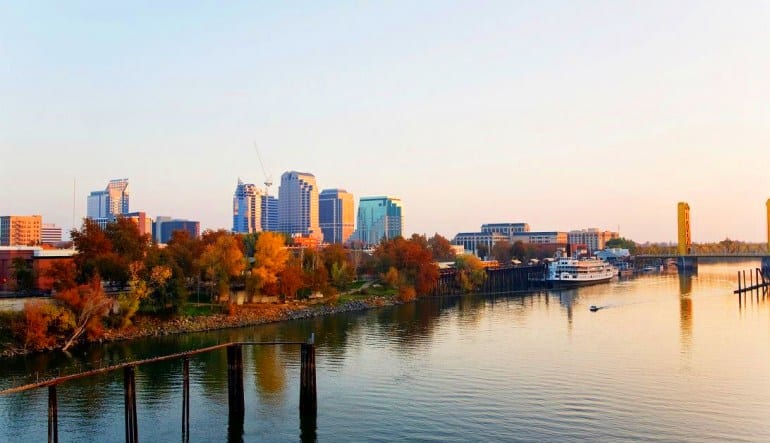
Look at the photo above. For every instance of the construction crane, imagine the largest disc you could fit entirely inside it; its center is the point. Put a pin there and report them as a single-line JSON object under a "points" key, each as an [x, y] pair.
{"points": [[268, 178], [268, 182]]}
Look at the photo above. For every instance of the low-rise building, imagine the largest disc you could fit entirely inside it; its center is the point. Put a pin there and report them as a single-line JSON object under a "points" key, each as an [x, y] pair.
{"points": [[40, 259]]}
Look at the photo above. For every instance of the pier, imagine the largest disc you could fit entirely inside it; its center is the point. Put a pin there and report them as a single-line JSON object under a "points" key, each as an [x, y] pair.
{"points": [[235, 392], [499, 280]]}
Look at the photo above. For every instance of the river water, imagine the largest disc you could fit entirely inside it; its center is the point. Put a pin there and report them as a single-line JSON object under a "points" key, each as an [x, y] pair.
{"points": [[667, 358]]}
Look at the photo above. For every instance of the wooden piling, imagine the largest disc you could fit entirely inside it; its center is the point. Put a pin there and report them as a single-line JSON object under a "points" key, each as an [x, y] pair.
{"points": [[186, 399], [129, 391], [308, 403], [235, 380], [53, 415]]}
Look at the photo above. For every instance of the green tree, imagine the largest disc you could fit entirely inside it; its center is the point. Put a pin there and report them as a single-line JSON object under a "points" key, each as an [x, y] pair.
{"points": [[622, 243], [502, 251], [22, 273], [470, 272], [482, 250]]}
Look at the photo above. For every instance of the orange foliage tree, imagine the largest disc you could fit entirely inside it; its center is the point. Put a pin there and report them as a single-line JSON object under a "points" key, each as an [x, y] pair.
{"points": [[412, 259], [88, 305]]}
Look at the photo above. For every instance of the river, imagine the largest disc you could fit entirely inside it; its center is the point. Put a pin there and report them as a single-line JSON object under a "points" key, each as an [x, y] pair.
{"points": [[666, 358]]}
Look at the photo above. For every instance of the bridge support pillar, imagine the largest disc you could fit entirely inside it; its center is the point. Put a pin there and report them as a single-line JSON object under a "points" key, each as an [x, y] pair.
{"points": [[687, 265], [766, 266]]}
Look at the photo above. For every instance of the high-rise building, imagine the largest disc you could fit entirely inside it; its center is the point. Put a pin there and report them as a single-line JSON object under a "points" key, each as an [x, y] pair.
{"points": [[247, 208], [269, 213], [20, 230], [50, 234], [378, 218], [163, 227], [298, 204], [335, 215], [104, 206]]}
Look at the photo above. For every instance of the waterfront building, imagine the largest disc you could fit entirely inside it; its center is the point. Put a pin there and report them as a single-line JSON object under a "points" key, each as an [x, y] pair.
{"points": [[470, 241], [50, 234], [335, 215], [507, 229], [104, 206], [593, 238], [379, 218], [163, 227], [247, 208], [20, 230], [542, 237], [298, 204]]}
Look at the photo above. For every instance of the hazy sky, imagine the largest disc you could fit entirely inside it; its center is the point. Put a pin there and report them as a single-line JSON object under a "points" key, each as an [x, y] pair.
{"points": [[564, 115]]}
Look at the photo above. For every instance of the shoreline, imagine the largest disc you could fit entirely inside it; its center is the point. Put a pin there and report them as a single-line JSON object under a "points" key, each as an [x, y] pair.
{"points": [[245, 315]]}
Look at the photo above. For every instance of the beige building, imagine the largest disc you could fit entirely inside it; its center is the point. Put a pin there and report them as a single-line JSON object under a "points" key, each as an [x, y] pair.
{"points": [[20, 230], [593, 238]]}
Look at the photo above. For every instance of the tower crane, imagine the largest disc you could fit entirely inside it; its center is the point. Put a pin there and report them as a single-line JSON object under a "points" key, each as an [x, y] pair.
{"points": [[268, 178], [268, 182]]}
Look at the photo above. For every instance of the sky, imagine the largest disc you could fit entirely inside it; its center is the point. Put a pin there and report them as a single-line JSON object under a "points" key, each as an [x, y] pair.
{"points": [[564, 115]]}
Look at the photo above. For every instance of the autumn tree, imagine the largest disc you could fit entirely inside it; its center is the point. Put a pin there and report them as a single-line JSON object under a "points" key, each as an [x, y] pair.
{"points": [[470, 272], [413, 261], [502, 251], [42, 325], [222, 260], [110, 252], [88, 306], [290, 279], [270, 256], [441, 248]]}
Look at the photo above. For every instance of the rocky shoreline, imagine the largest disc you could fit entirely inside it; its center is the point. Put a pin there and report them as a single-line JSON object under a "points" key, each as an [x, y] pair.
{"points": [[245, 315]]}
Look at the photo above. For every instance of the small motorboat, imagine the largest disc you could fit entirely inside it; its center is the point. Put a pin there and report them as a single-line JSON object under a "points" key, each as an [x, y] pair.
{"points": [[594, 308]]}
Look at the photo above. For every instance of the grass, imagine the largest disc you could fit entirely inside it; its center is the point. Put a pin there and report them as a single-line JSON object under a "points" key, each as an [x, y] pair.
{"points": [[200, 309]]}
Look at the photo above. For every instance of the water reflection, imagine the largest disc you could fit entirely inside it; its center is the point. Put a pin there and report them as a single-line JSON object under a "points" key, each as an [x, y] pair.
{"points": [[307, 428], [685, 312]]}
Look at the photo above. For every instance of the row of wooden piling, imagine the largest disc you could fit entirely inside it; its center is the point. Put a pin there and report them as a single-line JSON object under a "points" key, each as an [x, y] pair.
{"points": [[236, 405], [758, 283]]}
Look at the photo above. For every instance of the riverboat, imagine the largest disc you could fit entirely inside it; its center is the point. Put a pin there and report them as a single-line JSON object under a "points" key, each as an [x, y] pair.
{"points": [[566, 271]]}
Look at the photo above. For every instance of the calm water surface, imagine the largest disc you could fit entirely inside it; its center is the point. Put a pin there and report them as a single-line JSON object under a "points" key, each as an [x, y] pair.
{"points": [[667, 358]]}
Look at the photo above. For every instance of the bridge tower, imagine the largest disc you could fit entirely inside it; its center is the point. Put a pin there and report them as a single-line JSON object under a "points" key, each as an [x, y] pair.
{"points": [[683, 221]]}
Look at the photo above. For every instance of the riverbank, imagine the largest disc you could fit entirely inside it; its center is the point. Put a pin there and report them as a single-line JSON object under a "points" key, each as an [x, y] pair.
{"points": [[243, 315]]}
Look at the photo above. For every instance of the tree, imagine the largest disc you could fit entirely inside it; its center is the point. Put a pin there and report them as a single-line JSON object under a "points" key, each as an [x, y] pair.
{"points": [[482, 250], [21, 271], [88, 305], [470, 272], [413, 261], [290, 279], [441, 248], [223, 260], [92, 243], [622, 243], [270, 256], [340, 266], [518, 250], [502, 251]]}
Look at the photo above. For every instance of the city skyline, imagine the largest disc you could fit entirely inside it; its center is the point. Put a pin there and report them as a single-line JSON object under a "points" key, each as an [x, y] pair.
{"points": [[563, 115]]}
